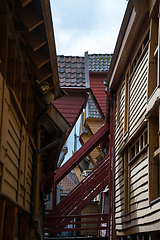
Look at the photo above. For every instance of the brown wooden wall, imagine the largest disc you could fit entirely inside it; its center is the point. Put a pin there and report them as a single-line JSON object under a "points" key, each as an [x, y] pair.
{"points": [[16, 152]]}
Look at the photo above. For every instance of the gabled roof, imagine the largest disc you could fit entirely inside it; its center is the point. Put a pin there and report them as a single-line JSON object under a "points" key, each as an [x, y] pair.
{"points": [[92, 109], [71, 71], [99, 62], [72, 68]]}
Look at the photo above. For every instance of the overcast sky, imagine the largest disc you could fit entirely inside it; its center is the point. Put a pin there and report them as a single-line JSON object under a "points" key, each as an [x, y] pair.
{"points": [[86, 25]]}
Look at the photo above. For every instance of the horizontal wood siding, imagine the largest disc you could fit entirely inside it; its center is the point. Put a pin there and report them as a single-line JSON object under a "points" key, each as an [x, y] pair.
{"points": [[98, 89], [119, 127], [138, 93], [70, 105], [138, 173]]}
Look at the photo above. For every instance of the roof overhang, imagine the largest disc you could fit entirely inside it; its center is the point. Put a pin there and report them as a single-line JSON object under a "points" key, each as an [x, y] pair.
{"points": [[39, 38], [134, 17]]}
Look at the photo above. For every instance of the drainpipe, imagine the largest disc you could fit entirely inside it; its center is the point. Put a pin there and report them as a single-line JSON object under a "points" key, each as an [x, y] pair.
{"points": [[36, 161], [109, 118]]}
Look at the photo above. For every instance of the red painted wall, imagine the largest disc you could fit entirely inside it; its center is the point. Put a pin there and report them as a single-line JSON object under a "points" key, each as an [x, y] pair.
{"points": [[98, 88]]}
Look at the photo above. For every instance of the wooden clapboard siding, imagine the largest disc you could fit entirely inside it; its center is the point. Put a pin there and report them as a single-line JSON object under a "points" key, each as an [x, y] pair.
{"points": [[94, 124], [119, 127], [138, 92], [95, 153]]}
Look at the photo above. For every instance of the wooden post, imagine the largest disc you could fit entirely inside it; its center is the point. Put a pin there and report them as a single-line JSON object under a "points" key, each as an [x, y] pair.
{"points": [[4, 23], [2, 213], [10, 223], [23, 226], [11, 67]]}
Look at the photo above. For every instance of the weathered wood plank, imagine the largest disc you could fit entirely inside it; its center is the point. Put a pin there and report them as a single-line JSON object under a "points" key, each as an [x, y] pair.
{"points": [[4, 28], [10, 223], [35, 39], [23, 226], [2, 214], [29, 17], [39, 57]]}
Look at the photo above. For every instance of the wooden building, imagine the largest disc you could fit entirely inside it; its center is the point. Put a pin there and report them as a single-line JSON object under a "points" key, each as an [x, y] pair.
{"points": [[32, 131], [134, 79]]}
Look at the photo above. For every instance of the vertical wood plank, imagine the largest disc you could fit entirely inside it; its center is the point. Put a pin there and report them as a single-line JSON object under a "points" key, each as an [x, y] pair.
{"points": [[24, 98], [2, 214], [4, 132], [3, 43], [23, 226], [11, 66], [21, 161], [25, 169], [10, 223], [30, 113], [18, 82]]}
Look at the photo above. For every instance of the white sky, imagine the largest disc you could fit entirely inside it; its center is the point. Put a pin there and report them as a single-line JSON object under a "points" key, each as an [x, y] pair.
{"points": [[86, 25]]}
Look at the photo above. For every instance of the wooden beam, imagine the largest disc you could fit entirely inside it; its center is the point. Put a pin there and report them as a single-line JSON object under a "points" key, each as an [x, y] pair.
{"points": [[38, 57], [18, 82], [156, 152], [10, 223], [2, 213], [34, 39], [29, 17], [23, 226], [3, 43], [78, 173], [51, 43], [141, 6], [11, 64], [41, 73], [24, 101], [24, 2], [30, 112]]}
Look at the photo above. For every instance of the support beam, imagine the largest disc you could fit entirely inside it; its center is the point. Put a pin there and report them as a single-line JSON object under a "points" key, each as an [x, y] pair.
{"points": [[29, 17], [10, 223], [2, 213], [3, 43], [35, 39], [39, 57], [82, 152]]}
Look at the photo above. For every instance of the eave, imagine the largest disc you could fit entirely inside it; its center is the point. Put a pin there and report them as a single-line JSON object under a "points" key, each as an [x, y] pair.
{"points": [[131, 25], [39, 36]]}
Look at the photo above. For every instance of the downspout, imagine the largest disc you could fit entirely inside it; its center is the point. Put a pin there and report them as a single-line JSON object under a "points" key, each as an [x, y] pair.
{"points": [[111, 167], [36, 161], [109, 118]]}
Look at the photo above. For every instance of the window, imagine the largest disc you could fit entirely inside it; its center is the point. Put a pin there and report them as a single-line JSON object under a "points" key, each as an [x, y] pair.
{"points": [[139, 145]]}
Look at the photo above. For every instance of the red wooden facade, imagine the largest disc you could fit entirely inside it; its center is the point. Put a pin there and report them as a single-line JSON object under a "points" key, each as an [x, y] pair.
{"points": [[72, 105], [98, 88]]}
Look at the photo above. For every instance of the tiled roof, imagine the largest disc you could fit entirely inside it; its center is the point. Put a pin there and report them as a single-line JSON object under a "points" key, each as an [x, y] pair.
{"points": [[71, 71], [72, 68], [99, 62], [92, 110]]}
